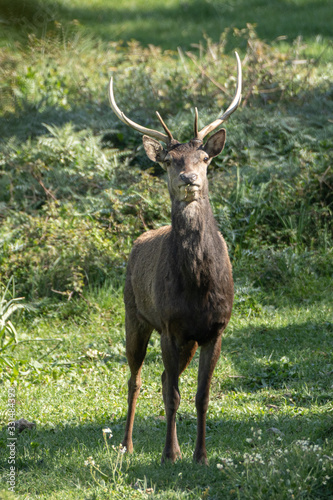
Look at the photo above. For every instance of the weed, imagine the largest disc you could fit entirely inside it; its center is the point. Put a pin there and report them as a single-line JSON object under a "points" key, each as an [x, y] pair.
{"points": [[8, 334]]}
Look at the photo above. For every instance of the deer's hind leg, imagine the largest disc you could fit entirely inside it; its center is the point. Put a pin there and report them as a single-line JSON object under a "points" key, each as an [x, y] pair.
{"points": [[138, 333]]}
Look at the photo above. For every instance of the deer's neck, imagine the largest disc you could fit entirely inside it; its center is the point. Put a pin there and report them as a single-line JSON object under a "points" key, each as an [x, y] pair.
{"points": [[197, 245]]}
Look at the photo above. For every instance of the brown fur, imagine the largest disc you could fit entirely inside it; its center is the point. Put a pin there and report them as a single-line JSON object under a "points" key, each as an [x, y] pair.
{"points": [[179, 282]]}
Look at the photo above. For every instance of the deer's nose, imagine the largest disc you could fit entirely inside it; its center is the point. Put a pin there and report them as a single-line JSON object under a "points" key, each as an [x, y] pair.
{"points": [[189, 178]]}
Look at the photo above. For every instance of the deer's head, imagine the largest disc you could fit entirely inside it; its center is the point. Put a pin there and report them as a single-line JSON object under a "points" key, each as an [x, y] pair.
{"points": [[185, 163]]}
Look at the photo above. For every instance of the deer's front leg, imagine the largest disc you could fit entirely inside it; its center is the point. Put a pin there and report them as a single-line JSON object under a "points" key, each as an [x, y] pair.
{"points": [[137, 337], [208, 358], [171, 396]]}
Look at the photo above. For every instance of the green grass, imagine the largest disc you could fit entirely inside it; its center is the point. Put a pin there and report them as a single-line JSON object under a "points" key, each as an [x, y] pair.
{"points": [[76, 189], [176, 23], [271, 389]]}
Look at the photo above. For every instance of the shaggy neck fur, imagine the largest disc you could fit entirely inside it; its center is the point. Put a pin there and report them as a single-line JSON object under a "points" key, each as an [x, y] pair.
{"points": [[197, 246]]}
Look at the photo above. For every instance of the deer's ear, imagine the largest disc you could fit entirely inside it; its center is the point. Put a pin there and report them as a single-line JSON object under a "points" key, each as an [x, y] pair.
{"points": [[215, 143], [154, 149]]}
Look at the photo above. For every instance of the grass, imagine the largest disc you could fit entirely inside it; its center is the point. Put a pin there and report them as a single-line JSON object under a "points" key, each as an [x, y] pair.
{"points": [[271, 392], [76, 189], [178, 23]]}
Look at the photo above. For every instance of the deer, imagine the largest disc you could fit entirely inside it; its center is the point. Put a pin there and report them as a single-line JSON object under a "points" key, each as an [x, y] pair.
{"points": [[179, 277]]}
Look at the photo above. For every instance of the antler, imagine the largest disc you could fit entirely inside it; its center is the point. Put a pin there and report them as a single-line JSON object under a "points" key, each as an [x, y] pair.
{"points": [[168, 138], [233, 106], [143, 130]]}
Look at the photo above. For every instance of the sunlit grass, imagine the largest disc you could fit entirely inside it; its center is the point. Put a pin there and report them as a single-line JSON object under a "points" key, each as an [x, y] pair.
{"points": [[173, 23], [271, 392]]}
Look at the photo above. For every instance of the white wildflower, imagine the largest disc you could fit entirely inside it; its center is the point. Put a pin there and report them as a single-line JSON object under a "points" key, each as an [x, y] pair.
{"points": [[108, 431], [89, 461]]}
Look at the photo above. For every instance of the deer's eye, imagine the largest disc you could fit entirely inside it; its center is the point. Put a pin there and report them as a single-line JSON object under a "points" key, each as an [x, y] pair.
{"points": [[206, 159], [167, 163]]}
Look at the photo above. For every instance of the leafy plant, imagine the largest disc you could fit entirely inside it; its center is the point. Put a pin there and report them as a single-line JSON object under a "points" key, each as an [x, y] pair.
{"points": [[9, 304]]}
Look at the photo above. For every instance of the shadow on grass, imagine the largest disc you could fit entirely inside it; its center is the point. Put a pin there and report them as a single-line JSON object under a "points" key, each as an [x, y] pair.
{"points": [[280, 358], [28, 122], [311, 109], [54, 460], [178, 23], [51, 458]]}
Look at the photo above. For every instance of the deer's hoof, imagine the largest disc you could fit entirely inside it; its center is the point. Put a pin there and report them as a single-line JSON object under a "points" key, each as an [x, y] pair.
{"points": [[171, 456], [128, 446], [200, 458]]}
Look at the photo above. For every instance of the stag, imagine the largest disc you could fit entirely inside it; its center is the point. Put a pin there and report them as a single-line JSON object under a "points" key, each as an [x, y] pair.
{"points": [[179, 278]]}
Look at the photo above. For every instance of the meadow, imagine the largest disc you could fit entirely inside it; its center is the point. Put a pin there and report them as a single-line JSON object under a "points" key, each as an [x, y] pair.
{"points": [[76, 189]]}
